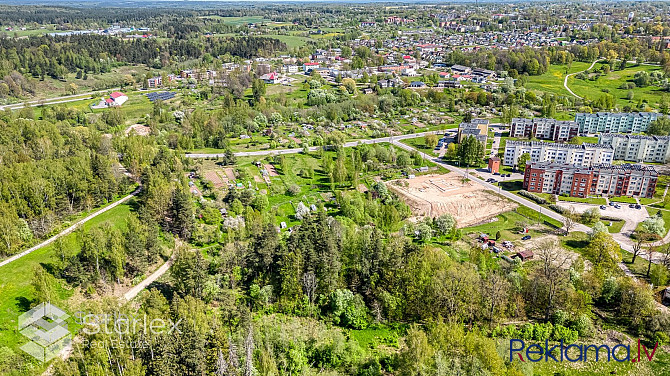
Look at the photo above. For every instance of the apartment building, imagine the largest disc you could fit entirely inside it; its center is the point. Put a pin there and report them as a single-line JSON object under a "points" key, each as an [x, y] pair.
{"points": [[637, 148], [578, 155], [615, 122], [477, 127], [543, 128], [607, 180]]}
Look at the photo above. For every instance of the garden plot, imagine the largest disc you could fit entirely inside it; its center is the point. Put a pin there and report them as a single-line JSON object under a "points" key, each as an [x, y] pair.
{"points": [[434, 195]]}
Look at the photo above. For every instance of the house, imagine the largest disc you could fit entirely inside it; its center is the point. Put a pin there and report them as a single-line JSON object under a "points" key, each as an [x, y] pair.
{"points": [[389, 83], [494, 165], [453, 84], [115, 99], [291, 69], [422, 169], [485, 73], [524, 255], [417, 84], [368, 23], [271, 78], [307, 67], [460, 69], [367, 90]]}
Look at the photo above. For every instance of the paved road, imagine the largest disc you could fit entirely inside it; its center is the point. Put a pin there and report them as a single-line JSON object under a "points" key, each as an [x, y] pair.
{"points": [[69, 229], [565, 81], [349, 144], [63, 99]]}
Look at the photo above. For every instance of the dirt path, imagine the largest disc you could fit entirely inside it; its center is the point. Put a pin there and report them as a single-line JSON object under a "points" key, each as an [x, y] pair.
{"points": [[133, 292], [565, 80], [69, 229]]}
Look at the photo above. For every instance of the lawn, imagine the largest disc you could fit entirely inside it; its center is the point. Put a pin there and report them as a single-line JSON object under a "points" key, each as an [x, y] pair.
{"points": [[15, 278], [587, 200], [506, 223], [419, 143], [627, 200]]}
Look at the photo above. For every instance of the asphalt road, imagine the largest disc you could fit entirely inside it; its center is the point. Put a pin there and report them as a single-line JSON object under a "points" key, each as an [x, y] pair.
{"points": [[260, 153]]}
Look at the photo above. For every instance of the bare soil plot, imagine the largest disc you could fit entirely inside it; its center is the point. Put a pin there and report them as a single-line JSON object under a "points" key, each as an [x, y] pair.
{"points": [[272, 171], [214, 177], [139, 129], [230, 173], [434, 195]]}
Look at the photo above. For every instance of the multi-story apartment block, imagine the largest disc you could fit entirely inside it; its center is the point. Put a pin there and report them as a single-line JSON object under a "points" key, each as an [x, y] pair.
{"points": [[615, 122], [477, 127], [636, 148], [543, 128], [610, 180], [578, 155]]}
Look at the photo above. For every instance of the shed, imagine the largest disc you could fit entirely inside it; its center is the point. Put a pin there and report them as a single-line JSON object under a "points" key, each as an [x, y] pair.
{"points": [[525, 255]]}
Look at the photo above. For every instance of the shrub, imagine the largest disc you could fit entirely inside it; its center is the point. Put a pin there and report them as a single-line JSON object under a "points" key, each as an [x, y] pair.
{"points": [[531, 196], [584, 325], [557, 209], [566, 334]]}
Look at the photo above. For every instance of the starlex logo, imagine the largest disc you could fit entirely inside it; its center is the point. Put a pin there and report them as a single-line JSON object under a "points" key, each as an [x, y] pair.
{"points": [[47, 330], [576, 352]]}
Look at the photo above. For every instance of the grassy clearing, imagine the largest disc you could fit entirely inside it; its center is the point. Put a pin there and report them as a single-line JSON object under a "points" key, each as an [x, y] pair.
{"points": [[508, 224], [610, 83], [552, 80], [15, 289]]}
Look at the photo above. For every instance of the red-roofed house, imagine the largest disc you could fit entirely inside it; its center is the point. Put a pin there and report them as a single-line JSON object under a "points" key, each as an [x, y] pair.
{"points": [[271, 78], [306, 67], [117, 98]]}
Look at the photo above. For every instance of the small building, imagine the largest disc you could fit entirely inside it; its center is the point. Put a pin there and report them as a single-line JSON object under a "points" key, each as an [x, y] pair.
{"points": [[422, 169], [494, 165], [524, 255], [271, 78], [417, 84]]}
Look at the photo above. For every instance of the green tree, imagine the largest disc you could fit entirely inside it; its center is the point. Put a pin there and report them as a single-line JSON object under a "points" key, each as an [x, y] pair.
{"points": [[603, 251], [523, 161], [470, 151]]}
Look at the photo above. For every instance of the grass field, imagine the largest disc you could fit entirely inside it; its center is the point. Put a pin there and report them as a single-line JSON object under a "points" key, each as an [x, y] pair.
{"points": [[15, 290], [552, 80], [594, 89]]}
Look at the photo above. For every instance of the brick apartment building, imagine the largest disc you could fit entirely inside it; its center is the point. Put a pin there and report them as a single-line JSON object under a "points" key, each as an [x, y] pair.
{"points": [[608, 180], [543, 128]]}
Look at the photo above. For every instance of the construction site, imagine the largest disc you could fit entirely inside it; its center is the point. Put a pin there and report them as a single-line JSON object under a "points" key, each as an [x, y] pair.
{"points": [[433, 195]]}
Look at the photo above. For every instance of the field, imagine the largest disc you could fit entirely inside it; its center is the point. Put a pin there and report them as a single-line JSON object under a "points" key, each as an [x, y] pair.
{"points": [[594, 89], [15, 278], [434, 195], [552, 82]]}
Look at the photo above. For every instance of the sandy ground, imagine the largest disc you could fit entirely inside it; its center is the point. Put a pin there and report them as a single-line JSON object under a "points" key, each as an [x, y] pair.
{"points": [[272, 171], [434, 195], [140, 130]]}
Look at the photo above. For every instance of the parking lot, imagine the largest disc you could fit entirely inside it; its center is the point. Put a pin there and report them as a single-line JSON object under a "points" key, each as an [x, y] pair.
{"points": [[631, 216]]}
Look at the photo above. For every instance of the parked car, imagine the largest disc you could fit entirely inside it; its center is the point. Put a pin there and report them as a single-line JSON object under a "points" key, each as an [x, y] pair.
{"points": [[611, 203], [617, 206], [638, 206], [603, 207], [527, 237], [631, 206]]}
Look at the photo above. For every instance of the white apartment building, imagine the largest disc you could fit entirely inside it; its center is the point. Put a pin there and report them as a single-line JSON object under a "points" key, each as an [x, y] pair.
{"points": [[615, 122], [636, 148], [543, 128], [576, 155]]}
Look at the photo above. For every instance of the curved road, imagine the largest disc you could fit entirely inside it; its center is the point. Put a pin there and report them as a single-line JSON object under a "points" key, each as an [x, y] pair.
{"points": [[565, 80]]}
